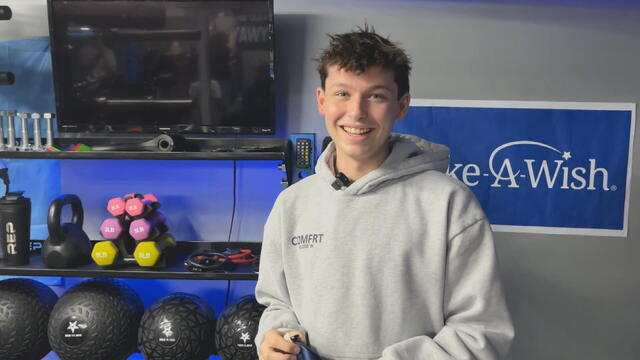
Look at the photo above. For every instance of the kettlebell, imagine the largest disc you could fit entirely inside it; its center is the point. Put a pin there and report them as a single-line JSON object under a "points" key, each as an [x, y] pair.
{"points": [[68, 245]]}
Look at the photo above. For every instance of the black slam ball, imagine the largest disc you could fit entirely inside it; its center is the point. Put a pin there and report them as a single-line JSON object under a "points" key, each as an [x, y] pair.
{"points": [[237, 328], [25, 306], [179, 326], [97, 319]]}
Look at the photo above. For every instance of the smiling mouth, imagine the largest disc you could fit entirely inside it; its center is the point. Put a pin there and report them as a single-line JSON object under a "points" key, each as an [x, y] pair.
{"points": [[356, 131]]}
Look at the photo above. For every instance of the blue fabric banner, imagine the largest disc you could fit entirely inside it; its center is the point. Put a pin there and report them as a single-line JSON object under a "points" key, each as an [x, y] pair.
{"points": [[560, 168]]}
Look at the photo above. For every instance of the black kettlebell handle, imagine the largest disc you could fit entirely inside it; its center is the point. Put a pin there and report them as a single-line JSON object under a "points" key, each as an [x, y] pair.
{"points": [[55, 211]]}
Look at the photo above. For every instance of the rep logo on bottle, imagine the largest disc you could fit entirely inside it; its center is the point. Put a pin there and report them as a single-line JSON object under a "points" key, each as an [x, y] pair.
{"points": [[12, 245]]}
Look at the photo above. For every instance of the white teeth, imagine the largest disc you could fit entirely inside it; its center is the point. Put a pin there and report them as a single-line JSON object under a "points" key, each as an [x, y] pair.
{"points": [[356, 131]]}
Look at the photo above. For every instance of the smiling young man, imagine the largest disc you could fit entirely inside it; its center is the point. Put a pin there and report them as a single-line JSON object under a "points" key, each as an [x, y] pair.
{"points": [[379, 255]]}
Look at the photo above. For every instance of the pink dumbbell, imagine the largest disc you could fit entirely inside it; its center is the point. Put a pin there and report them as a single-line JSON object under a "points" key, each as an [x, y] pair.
{"points": [[112, 228], [143, 229], [137, 207], [116, 206]]}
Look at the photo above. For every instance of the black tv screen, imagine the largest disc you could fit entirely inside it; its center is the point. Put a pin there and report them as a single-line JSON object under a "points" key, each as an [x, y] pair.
{"points": [[133, 66]]}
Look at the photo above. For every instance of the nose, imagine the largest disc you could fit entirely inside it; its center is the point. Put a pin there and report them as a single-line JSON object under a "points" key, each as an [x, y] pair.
{"points": [[357, 107]]}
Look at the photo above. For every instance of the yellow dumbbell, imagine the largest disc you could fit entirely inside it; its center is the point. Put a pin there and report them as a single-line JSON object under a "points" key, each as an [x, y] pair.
{"points": [[105, 253], [148, 253]]}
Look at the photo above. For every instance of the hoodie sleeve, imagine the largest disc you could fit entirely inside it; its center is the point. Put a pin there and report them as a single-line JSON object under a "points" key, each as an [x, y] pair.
{"points": [[477, 322], [271, 289]]}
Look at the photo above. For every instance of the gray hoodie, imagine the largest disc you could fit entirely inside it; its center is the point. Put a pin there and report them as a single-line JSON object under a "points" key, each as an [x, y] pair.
{"points": [[399, 265]]}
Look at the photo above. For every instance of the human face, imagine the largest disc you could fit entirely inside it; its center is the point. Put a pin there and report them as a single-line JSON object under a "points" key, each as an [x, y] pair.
{"points": [[359, 112]]}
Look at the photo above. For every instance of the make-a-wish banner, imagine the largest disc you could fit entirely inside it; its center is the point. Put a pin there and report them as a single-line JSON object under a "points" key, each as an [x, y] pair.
{"points": [[542, 167]]}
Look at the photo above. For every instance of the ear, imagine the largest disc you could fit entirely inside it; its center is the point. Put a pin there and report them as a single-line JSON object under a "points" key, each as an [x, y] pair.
{"points": [[320, 98], [404, 101]]}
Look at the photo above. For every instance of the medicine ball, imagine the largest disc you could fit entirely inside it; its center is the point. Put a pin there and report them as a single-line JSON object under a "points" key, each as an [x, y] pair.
{"points": [[237, 328], [25, 306], [97, 319], [179, 326]]}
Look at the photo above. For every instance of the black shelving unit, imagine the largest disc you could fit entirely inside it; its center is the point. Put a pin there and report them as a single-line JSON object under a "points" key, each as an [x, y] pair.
{"points": [[210, 149], [148, 155], [175, 269]]}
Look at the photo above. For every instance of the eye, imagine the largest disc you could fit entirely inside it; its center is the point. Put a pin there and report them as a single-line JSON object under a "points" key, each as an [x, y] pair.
{"points": [[341, 94], [377, 97]]}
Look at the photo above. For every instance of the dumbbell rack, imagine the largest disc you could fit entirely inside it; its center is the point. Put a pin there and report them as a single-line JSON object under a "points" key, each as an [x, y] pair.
{"points": [[174, 270]]}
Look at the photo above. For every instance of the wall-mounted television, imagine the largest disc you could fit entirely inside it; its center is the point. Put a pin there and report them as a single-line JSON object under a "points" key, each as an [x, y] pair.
{"points": [[141, 66]]}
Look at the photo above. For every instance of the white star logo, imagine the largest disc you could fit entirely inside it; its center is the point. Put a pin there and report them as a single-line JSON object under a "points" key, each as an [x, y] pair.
{"points": [[165, 325], [73, 326], [245, 337], [566, 155]]}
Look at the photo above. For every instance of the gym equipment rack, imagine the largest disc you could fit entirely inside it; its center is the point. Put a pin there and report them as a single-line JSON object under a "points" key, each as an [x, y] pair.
{"points": [[210, 148]]}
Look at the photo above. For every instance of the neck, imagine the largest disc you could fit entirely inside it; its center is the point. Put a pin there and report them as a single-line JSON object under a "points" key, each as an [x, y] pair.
{"points": [[356, 168]]}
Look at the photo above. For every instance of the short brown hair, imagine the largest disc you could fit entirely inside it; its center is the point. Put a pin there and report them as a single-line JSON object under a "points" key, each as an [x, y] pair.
{"points": [[361, 49]]}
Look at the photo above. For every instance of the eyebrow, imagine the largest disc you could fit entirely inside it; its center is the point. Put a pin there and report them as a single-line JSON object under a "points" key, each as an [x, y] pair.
{"points": [[375, 87]]}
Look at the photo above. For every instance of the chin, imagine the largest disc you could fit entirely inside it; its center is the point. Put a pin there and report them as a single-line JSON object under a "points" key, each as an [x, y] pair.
{"points": [[355, 154]]}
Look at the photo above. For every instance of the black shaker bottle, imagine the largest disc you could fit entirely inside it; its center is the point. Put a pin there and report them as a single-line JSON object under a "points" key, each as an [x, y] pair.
{"points": [[15, 228]]}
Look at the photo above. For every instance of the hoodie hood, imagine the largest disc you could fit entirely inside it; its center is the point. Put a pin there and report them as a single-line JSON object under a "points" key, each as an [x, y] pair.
{"points": [[409, 155]]}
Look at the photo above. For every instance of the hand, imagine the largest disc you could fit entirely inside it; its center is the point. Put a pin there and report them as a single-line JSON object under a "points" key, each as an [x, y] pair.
{"points": [[275, 347]]}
